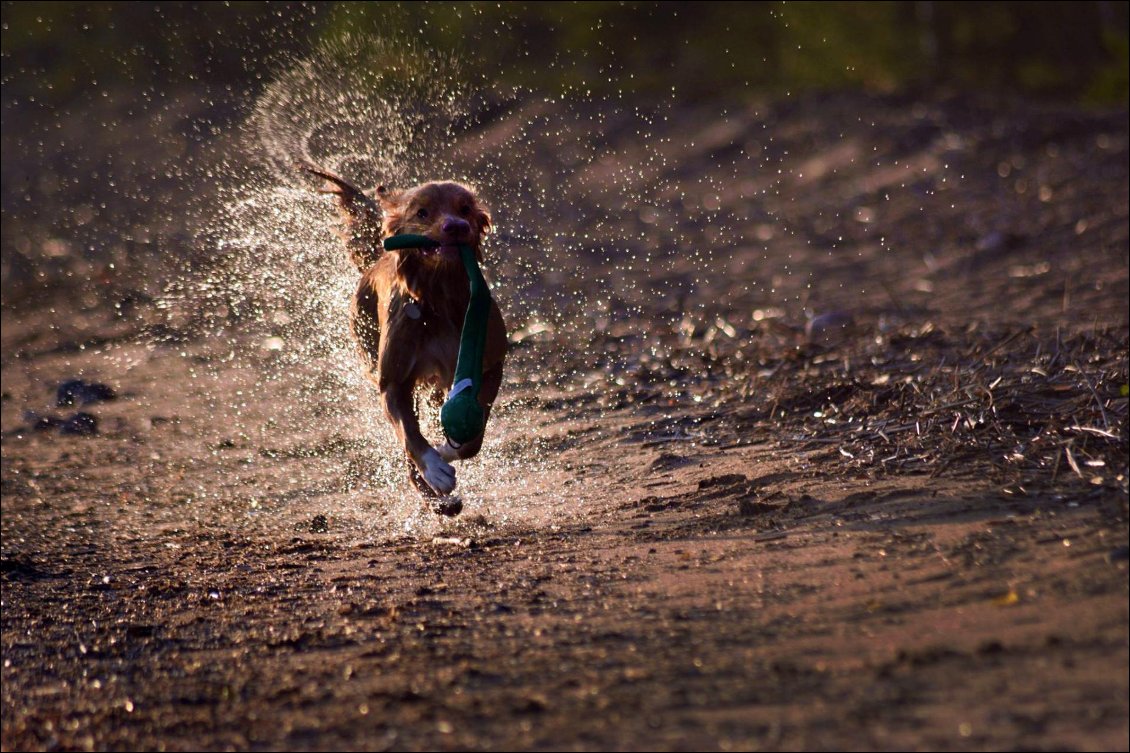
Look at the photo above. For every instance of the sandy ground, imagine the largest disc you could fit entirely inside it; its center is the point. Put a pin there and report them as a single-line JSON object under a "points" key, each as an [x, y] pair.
{"points": [[729, 501]]}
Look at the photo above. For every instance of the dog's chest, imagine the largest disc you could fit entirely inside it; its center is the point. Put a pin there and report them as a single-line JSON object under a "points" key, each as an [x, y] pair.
{"points": [[432, 334], [437, 359]]}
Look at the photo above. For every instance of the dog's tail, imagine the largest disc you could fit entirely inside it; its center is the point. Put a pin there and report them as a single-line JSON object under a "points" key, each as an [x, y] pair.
{"points": [[360, 217]]}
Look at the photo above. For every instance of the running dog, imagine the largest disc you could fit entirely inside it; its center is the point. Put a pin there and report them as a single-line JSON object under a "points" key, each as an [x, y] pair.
{"points": [[408, 310]]}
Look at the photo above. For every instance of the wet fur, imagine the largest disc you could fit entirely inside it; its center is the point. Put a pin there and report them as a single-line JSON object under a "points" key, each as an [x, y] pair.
{"points": [[408, 310]]}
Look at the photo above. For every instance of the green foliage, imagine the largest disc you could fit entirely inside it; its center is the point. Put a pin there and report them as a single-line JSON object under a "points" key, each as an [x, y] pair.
{"points": [[1111, 83], [703, 50], [830, 45], [699, 50], [54, 51]]}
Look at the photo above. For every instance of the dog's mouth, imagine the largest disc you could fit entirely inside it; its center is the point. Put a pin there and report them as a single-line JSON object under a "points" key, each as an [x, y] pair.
{"points": [[447, 248], [446, 252]]}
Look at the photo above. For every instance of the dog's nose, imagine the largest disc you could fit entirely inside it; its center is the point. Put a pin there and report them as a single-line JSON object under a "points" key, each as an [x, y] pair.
{"points": [[456, 227]]}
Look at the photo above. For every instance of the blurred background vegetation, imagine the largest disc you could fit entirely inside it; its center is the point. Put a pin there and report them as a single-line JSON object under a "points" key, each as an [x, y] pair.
{"points": [[115, 115], [1078, 51]]}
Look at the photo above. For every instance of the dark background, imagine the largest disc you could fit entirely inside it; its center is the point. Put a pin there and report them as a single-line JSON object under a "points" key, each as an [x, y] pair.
{"points": [[55, 52], [114, 114]]}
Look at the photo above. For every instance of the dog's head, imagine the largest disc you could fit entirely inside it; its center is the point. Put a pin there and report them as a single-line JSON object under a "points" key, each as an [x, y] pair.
{"points": [[448, 213]]}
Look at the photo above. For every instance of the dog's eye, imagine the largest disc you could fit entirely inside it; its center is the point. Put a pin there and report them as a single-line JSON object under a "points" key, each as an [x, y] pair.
{"points": [[465, 210], [422, 213]]}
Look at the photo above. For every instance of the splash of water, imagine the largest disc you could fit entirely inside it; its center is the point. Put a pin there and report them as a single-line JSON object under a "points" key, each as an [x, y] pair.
{"points": [[592, 211], [377, 112]]}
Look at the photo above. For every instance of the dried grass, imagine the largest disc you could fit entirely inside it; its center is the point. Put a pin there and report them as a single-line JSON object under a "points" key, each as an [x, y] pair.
{"points": [[1030, 408]]}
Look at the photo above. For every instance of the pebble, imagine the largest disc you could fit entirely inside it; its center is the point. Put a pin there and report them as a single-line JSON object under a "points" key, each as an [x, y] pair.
{"points": [[829, 328], [449, 506], [80, 424], [76, 391]]}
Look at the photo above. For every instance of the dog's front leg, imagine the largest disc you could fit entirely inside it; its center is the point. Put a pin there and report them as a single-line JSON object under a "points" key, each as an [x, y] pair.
{"points": [[401, 411]]}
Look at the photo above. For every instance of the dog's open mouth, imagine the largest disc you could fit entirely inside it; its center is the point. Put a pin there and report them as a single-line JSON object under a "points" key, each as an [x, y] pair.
{"points": [[443, 249], [445, 253]]}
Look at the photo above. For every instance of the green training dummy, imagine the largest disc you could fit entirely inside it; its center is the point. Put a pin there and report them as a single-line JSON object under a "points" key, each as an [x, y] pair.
{"points": [[461, 415]]}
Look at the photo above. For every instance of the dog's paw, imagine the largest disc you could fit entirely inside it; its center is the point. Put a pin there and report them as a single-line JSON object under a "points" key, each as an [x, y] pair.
{"points": [[438, 472]]}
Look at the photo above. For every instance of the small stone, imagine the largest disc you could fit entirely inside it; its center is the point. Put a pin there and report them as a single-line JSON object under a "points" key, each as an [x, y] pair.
{"points": [[39, 422], [76, 391], [753, 506], [449, 506], [998, 240], [829, 328], [1118, 554], [80, 424]]}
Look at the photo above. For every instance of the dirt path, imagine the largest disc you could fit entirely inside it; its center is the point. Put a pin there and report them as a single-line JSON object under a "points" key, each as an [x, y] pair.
{"points": [[704, 520]]}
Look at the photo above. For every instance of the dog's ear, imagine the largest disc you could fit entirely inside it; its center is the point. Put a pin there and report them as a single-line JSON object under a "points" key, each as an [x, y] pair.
{"points": [[482, 216], [392, 206], [360, 215], [387, 196]]}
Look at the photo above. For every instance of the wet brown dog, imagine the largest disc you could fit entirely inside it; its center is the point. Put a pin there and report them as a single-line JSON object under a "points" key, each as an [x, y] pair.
{"points": [[408, 310]]}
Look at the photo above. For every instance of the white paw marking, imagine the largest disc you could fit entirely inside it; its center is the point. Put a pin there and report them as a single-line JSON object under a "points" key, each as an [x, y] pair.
{"points": [[438, 473]]}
